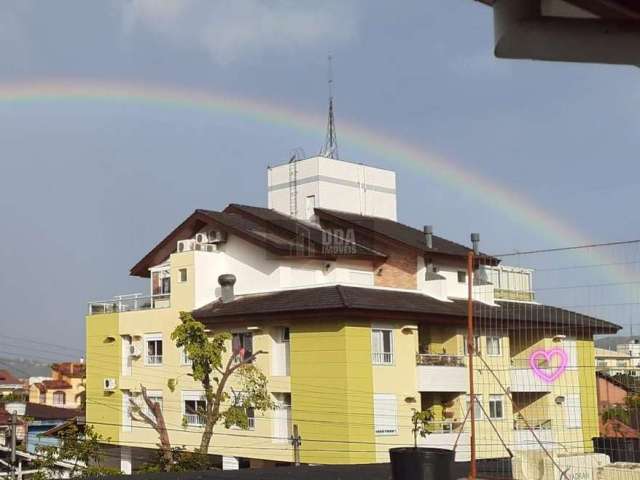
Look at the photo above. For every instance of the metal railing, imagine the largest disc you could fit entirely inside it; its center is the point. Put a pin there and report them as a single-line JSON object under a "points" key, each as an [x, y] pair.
{"points": [[543, 424], [382, 358], [129, 303], [440, 360], [194, 419], [445, 426], [154, 359]]}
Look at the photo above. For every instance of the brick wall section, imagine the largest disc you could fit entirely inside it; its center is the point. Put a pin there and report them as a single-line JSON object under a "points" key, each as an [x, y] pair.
{"points": [[399, 270]]}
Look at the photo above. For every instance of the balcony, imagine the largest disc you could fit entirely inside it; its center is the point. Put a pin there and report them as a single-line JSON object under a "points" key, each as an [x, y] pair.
{"points": [[444, 435], [130, 303], [194, 420], [441, 373], [524, 438], [524, 380]]}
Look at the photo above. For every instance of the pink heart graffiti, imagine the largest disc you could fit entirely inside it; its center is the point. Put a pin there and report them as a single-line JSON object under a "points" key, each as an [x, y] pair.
{"points": [[547, 355]]}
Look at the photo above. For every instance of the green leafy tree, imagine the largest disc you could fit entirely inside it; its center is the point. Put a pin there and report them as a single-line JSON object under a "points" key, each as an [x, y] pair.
{"points": [[79, 454], [208, 366]]}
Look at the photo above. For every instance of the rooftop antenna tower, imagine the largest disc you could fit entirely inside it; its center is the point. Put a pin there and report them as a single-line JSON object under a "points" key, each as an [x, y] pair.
{"points": [[330, 147]]}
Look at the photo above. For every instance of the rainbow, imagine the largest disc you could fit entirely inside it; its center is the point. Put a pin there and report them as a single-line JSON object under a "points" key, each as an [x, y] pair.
{"points": [[513, 205]]}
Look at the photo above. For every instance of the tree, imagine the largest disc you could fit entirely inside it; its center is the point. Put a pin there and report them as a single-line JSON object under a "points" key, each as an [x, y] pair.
{"points": [[155, 419], [208, 367], [78, 455]]}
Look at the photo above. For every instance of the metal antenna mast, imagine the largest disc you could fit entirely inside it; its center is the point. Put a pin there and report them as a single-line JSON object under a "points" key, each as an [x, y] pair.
{"points": [[330, 148]]}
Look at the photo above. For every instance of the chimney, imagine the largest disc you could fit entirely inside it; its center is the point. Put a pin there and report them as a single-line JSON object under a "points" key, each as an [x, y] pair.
{"points": [[428, 236], [226, 281], [475, 241]]}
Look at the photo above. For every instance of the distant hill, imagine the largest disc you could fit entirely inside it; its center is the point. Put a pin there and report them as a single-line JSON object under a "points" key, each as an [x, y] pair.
{"points": [[610, 342], [22, 367]]}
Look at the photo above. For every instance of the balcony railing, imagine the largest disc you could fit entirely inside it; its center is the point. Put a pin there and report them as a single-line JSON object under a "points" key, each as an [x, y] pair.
{"points": [[382, 358], [440, 360], [194, 419], [154, 359], [445, 426], [130, 303]]}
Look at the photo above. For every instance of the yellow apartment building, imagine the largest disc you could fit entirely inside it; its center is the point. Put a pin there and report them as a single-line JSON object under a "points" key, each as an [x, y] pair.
{"points": [[363, 321]]}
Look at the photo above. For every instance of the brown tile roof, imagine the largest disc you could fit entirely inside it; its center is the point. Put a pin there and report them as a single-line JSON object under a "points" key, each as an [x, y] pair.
{"points": [[340, 298], [269, 230], [409, 236], [7, 378], [55, 384], [40, 411], [70, 369]]}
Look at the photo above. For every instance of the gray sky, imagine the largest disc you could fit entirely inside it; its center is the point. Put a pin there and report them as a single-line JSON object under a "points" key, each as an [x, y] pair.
{"points": [[88, 187]]}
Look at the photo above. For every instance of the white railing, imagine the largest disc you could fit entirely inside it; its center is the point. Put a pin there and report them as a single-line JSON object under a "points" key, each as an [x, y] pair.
{"points": [[440, 360], [130, 303], [194, 419], [154, 359], [382, 358]]}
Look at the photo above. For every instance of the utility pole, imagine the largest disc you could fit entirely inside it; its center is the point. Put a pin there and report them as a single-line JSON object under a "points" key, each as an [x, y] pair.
{"points": [[296, 441], [14, 430]]}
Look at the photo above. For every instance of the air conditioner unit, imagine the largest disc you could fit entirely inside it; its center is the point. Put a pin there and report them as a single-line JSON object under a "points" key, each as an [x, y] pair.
{"points": [[185, 245], [134, 351], [205, 247], [202, 237], [217, 236], [110, 384]]}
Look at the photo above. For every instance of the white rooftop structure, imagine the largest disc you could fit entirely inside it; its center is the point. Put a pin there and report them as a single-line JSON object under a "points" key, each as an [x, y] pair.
{"points": [[297, 187]]}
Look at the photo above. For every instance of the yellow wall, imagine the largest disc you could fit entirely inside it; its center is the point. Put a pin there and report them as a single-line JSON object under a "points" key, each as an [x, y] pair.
{"points": [[332, 391], [103, 409]]}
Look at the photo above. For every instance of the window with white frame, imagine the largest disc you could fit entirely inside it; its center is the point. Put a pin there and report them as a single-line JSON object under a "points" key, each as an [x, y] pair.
{"points": [[571, 348], [496, 406], [155, 396], [494, 346], [126, 412], [153, 349], [184, 357], [476, 345], [385, 414], [382, 346], [477, 411], [194, 407], [573, 411]]}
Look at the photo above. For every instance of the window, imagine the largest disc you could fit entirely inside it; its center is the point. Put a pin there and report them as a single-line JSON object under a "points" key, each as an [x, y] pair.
{"points": [[601, 363], [184, 357], [194, 407], [59, 398], [42, 398], [385, 414], [494, 347], [476, 344], [242, 344], [161, 282], [126, 409], [309, 206], [621, 363], [496, 410], [477, 411], [462, 276], [155, 396], [153, 349], [183, 274], [251, 417], [573, 412], [570, 346], [382, 346]]}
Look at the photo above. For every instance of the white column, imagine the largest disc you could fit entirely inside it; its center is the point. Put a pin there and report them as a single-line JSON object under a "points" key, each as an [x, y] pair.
{"points": [[230, 463], [125, 460]]}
